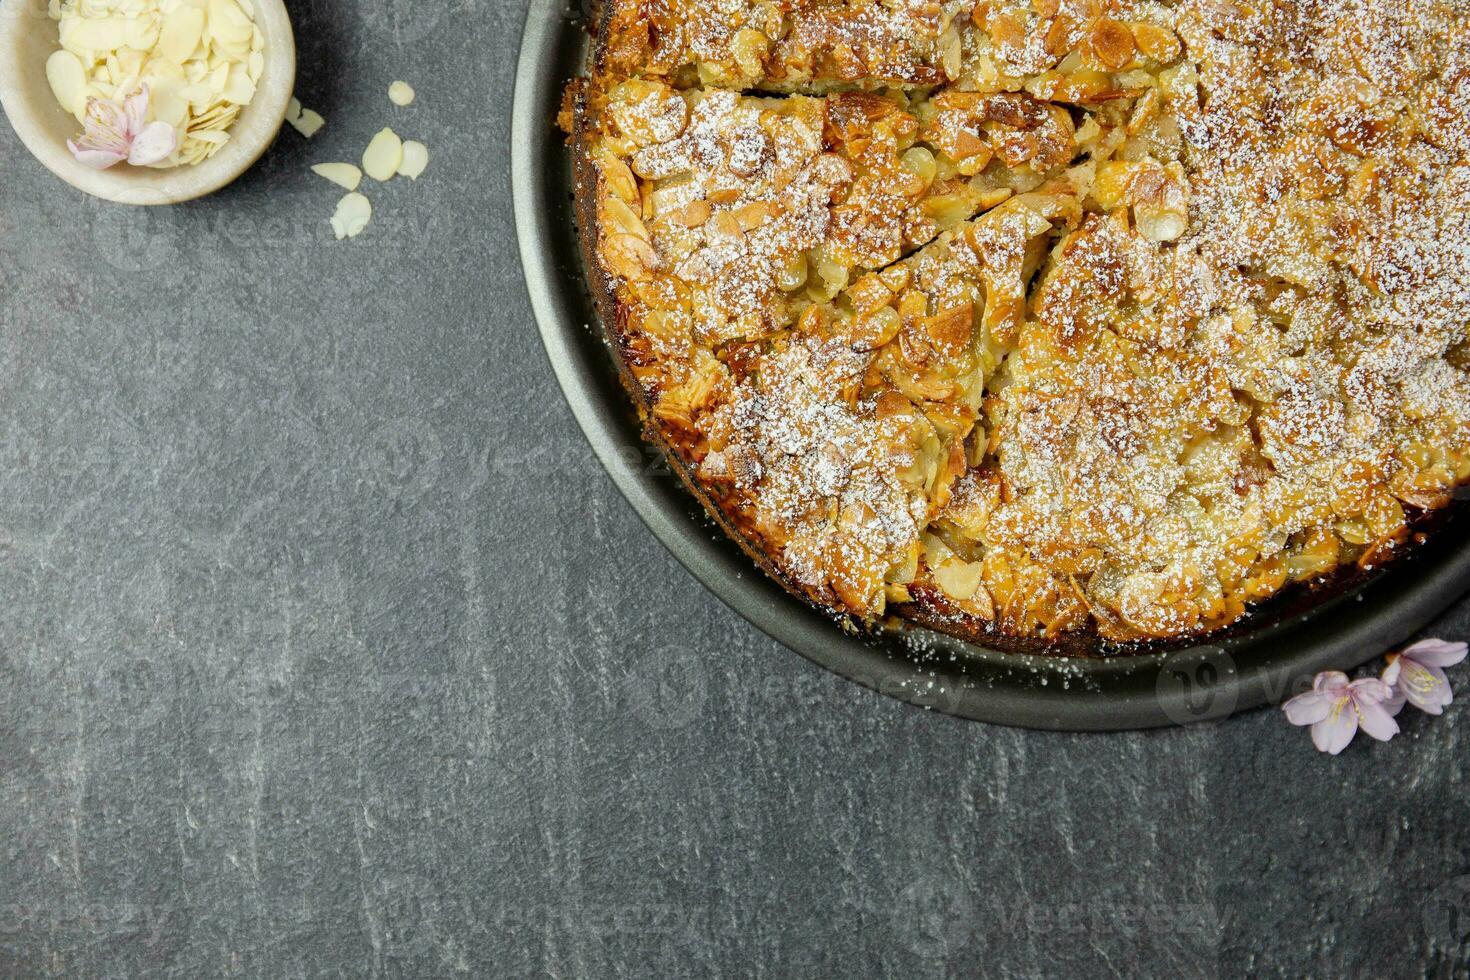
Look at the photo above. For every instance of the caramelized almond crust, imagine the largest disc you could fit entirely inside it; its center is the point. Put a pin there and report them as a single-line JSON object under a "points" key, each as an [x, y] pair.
{"points": [[1116, 322], [723, 217], [1063, 50]]}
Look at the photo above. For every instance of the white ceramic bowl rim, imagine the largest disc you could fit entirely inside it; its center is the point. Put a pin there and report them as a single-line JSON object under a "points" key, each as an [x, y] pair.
{"points": [[28, 35]]}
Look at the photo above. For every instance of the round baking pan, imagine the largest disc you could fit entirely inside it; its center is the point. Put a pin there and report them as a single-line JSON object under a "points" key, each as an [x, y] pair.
{"points": [[1264, 659]]}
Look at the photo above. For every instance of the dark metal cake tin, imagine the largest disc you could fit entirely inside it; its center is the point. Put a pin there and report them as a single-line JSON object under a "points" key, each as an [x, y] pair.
{"points": [[1268, 657]]}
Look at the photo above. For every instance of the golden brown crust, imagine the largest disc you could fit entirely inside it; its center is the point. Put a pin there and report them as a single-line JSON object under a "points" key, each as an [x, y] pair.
{"points": [[1077, 51], [1214, 342], [724, 509]]}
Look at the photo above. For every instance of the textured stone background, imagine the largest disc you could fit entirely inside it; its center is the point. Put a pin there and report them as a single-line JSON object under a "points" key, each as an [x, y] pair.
{"points": [[326, 650]]}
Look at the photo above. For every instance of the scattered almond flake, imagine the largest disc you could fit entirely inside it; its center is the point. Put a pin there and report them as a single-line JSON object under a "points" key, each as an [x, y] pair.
{"points": [[401, 94], [308, 123], [293, 110], [383, 155], [353, 214], [344, 175], [415, 159]]}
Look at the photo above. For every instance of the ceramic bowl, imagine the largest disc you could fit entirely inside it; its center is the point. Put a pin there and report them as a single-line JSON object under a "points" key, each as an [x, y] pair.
{"points": [[28, 36]]}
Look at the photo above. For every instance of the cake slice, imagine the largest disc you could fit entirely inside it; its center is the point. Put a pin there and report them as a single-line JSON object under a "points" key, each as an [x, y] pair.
{"points": [[834, 444], [1164, 454], [718, 218]]}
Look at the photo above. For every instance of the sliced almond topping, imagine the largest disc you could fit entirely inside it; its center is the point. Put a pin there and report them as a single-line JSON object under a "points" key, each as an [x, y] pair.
{"points": [[344, 175], [960, 580], [873, 331]]}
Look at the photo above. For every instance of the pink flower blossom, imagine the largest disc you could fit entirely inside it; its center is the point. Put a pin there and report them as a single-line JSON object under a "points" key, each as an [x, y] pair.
{"points": [[1336, 708], [114, 132], [1416, 675]]}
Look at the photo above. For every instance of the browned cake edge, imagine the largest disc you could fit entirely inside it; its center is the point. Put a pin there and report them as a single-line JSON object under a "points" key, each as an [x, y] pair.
{"points": [[599, 16], [613, 320]]}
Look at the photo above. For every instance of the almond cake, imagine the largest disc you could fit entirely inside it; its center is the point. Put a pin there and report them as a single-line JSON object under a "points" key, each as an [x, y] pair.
{"points": [[1037, 318]]}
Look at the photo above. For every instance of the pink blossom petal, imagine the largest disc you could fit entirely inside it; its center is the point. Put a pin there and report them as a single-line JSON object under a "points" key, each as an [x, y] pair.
{"points": [[108, 142], [1390, 673], [135, 109], [1426, 688], [1309, 708], [1370, 690], [96, 159], [1437, 653], [154, 143], [1333, 733], [1395, 703], [105, 125], [1330, 680], [1376, 721]]}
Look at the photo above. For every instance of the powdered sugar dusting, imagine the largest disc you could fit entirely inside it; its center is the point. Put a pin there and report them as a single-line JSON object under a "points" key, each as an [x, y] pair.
{"points": [[1227, 349]]}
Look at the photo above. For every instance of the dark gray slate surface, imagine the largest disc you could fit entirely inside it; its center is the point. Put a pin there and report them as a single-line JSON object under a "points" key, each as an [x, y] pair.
{"points": [[326, 651]]}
